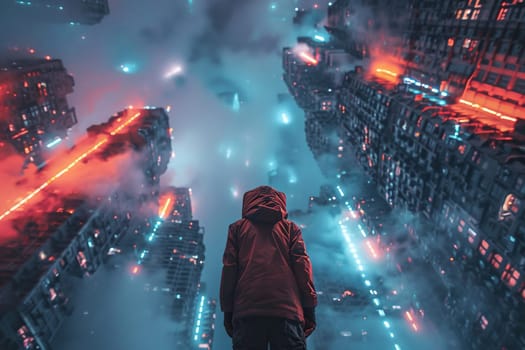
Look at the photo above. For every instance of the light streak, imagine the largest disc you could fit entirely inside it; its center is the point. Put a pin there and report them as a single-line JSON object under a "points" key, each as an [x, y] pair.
{"points": [[54, 142], [59, 174], [165, 208], [367, 282], [21, 133], [371, 248], [236, 104], [488, 110], [409, 316], [387, 72], [52, 179], [308, 58], [173, 72], [126, 123], [199, 316]]}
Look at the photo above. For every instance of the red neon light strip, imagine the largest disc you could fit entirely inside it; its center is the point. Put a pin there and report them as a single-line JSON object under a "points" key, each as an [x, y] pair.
{"points": [[65, 170], [488, 110], [23, 132]]}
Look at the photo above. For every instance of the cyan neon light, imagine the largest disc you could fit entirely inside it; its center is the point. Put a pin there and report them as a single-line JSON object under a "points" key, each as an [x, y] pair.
{"points": [[54, 142], [360, 267], [199, 316]]}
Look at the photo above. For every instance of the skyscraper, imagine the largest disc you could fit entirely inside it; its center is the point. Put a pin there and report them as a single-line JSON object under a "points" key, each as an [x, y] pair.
{"points": [[174, 246], [57, 231], [72, 11], [432, 111], [35, 114]]}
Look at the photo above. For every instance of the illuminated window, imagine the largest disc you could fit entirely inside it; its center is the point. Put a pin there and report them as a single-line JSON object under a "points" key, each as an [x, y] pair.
{"points": [[472, 236], [466, 14], [502, 14], [509, 208], [510, 276], [461, 225], [483, 247], [496, 260], [483, 322]]}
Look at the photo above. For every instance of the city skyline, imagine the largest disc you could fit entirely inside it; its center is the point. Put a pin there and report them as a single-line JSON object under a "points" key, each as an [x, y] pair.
{"points": [[408, 118]]}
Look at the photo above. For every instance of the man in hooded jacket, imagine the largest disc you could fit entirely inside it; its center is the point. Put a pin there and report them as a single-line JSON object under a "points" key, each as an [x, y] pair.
{"points": [[267, 292]]}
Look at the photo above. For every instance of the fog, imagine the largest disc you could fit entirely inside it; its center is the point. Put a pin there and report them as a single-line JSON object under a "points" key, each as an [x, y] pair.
{"points": [[221, 46]]}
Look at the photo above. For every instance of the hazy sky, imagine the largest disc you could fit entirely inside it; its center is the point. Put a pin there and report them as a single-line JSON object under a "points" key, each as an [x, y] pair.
{"points": [[221, 46]]}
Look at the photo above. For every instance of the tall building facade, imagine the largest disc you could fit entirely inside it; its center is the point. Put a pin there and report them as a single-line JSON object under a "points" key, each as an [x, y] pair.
{"points": [[35, 114], [48, 240], [173, 245], [432, 110], [72, 11]]}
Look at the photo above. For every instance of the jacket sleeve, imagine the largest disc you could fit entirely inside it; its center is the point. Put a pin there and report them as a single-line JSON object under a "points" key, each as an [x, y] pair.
{"points": [[229, 271], [302, 268]]}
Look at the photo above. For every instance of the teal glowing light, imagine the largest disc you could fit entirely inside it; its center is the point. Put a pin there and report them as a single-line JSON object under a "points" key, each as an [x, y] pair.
{"points": [[128, 68], [285, 119], [199, 316], [236, 104], [54, 142]]}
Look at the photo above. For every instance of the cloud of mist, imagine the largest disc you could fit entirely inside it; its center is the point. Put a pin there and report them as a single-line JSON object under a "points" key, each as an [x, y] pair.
{"points": [[220, 153], [113, 311]]}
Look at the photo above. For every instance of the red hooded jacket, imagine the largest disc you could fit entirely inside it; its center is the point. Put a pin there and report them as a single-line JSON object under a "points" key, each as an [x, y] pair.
{"points": [[266, 270]]}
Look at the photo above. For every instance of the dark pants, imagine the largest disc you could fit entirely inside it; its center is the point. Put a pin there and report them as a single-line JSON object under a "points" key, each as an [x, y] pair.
{"points": [[256, 333]]}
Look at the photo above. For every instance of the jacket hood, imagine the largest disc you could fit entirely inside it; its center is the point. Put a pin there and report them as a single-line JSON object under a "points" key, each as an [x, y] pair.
{"points": [[264, 204]]}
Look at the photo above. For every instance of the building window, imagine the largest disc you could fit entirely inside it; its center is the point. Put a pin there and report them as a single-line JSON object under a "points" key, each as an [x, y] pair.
{"points": [[510, 276], [491, 78], [510, 208], [483, 247], [519, 86], [502, 14], [504, 81], [496, 261], [480, 76]]}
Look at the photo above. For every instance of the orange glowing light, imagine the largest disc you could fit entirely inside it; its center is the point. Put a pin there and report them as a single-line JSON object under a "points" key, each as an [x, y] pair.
{"points": [[135, 270], [371, 249], [126, 123], [308, 58], [59, 174], [487, 110], [414, 326], [409, 316], [386, 70], [162, 213]]}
